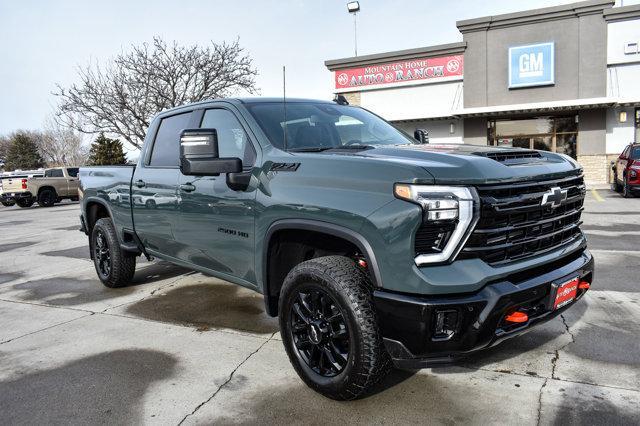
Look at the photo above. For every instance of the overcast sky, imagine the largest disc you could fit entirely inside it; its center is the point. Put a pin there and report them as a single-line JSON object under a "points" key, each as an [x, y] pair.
{"points": [[42, 42]]}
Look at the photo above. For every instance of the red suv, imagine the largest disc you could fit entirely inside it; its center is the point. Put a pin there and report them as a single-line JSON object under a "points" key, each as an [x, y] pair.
{"points": [[626, 171]]}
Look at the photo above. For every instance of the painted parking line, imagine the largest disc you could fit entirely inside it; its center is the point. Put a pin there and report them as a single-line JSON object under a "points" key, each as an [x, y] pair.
{"points": [[597, 196]]}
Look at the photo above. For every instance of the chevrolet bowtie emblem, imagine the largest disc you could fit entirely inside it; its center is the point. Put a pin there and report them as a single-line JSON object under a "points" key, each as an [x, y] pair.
{"points": [[554, 197]]}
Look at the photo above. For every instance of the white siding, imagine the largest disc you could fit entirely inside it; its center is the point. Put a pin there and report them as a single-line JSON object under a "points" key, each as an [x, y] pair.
{"points": [[439, 130], [619, 134], [415, 102]]}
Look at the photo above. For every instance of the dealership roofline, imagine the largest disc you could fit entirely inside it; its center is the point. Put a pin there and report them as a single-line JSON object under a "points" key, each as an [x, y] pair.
{"points": [[551, 106], [622, 13], [534, 15], [398, 55]]}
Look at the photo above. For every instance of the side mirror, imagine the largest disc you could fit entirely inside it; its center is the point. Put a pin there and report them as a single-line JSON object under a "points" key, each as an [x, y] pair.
{"points": [[421, 135], [199, 154]]}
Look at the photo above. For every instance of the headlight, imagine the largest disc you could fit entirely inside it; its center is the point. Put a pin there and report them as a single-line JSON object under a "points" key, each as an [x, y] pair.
{"points": [[447, 219]]}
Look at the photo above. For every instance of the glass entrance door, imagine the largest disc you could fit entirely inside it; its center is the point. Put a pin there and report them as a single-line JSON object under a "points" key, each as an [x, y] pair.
{"points": [[556, 134]]}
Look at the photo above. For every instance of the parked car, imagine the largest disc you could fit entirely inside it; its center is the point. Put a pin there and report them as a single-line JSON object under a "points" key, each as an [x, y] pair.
{"points": [[14, 189], [369, 246], [57, 184], [626, 171]]}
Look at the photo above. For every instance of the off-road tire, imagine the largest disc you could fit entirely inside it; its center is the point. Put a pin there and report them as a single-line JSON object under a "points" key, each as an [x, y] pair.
{"points": [[122, 265], [47, 198], [8, 203], [25, 202], [351, 289]]}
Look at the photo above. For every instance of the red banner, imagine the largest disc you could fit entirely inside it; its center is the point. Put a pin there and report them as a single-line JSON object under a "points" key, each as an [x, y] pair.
{"points": [[399, 72]]}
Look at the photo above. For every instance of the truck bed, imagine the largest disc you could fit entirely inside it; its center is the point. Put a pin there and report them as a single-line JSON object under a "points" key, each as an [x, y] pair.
{"points": [[111, 184]]}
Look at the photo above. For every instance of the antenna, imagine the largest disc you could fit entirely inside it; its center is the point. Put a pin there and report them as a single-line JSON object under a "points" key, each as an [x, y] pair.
{"points": [[284, 106]]}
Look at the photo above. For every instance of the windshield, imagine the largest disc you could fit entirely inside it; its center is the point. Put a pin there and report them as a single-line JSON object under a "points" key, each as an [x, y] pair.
{"points": [[324, 126], [635, 152]]}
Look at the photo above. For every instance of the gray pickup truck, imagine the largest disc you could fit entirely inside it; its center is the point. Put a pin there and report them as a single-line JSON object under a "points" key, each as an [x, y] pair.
{"points": [[373, 249]]}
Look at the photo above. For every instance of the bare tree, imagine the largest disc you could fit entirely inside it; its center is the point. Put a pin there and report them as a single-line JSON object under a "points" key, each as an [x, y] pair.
{"points": [[122, 97], [61, 146]]}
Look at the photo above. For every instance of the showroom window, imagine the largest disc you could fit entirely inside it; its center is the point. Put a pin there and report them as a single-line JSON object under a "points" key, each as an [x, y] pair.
{"points": [[556, 134]]}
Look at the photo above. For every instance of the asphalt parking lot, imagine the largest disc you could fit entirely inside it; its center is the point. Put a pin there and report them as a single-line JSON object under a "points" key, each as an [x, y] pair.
{"points": [[179, 347]]}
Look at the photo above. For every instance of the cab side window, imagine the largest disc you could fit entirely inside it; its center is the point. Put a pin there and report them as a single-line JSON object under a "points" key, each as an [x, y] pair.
{"points": [[233, 141], [166, 147], [53, 173], [73, 171]]}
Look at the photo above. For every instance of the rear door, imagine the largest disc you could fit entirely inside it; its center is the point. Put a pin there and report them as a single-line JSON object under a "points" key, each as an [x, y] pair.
{"points": [[216, 226], [55, 178], [157, 178]]}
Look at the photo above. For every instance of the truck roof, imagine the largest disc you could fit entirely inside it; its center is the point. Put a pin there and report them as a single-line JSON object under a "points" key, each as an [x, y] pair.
{"points": [[244, 100]]}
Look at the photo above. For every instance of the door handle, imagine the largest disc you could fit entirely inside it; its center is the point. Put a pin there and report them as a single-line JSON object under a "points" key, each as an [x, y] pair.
{"points": [[140, 183], [187, 187]]}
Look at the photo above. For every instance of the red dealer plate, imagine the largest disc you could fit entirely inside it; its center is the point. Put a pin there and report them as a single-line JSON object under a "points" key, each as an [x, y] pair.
{"points": [[566, 292]]}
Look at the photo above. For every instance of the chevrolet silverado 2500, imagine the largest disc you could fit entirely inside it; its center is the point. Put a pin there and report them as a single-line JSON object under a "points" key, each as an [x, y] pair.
{"points": [[372, 249]]}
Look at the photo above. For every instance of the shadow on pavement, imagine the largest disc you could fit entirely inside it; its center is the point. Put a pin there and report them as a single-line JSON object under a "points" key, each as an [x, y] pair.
{"points": [[14, 246], [208, 305], [106, 388], [81, 252], [6, 277], [69, 291]]}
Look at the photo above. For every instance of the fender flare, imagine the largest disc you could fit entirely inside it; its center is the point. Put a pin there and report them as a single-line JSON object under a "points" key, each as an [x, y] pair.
{"points": [[322, 227]]}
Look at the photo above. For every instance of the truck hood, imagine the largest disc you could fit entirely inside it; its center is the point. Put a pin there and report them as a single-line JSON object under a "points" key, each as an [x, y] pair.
{"points": [[472, 164]]}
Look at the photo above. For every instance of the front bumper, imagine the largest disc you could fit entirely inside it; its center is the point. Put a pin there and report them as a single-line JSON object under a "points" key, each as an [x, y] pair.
{"points": [[407, 322]]}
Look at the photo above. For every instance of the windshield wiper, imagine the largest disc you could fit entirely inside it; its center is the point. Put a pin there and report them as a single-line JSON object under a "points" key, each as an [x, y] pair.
{"points": [[311, 149]]}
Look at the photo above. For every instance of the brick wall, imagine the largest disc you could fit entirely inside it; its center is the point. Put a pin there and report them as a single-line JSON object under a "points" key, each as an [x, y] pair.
{"points": [[596, 167]]}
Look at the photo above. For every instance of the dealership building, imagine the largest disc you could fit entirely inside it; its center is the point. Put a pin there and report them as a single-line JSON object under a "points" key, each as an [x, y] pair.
{"points": [[564, 79]]}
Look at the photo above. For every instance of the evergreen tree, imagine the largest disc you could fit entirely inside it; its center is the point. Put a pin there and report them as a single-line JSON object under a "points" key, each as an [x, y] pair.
{"points": [[23, 152], [105, 152]]}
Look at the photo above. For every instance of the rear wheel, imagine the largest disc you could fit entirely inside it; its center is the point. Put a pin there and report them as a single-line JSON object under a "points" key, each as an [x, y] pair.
{"points": [[47, 198], [8, 203], [329, 328], [25, 202], [115, 268]]}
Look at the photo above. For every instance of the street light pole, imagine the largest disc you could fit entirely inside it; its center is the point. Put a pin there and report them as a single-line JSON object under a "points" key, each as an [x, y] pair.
{"points": [[353, 8]]}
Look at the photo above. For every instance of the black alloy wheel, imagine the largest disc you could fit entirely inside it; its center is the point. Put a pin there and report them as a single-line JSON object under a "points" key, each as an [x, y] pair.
{"points": [[114, 267], [25, 202], [102, 255], [47, 198], [319, 331], [329, 327]]}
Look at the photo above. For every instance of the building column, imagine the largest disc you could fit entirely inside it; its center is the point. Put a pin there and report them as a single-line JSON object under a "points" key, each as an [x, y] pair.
{"points": [[592, 153]]}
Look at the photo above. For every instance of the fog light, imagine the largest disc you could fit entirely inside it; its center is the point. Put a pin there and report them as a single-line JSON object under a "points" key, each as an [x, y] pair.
{"points": [[446, 324]]}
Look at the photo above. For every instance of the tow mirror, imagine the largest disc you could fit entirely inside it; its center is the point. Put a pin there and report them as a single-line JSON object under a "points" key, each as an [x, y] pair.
{"points": [[199, 154]]}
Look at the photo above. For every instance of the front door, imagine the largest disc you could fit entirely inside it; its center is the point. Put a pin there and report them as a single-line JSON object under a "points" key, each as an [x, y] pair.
{"points": [[216, 225], [154, 190]]}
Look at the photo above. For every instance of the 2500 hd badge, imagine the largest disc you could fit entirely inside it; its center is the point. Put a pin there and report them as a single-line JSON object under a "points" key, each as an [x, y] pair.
{"points": [[373, 250]]}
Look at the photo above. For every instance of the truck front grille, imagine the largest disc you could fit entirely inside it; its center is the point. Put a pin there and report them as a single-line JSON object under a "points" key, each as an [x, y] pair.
{"points": [[514, 225]]}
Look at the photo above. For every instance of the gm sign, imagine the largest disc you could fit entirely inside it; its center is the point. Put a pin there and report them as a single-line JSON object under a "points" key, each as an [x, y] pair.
{"points": [[531, 65]]}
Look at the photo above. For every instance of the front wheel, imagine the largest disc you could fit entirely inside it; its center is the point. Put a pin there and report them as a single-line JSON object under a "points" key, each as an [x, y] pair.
{"points": [[329, 328], [115, 268]]}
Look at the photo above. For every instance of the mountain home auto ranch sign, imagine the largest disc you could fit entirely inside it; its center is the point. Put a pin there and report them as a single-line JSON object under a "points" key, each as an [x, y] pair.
{"points": [[401, 72]]}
